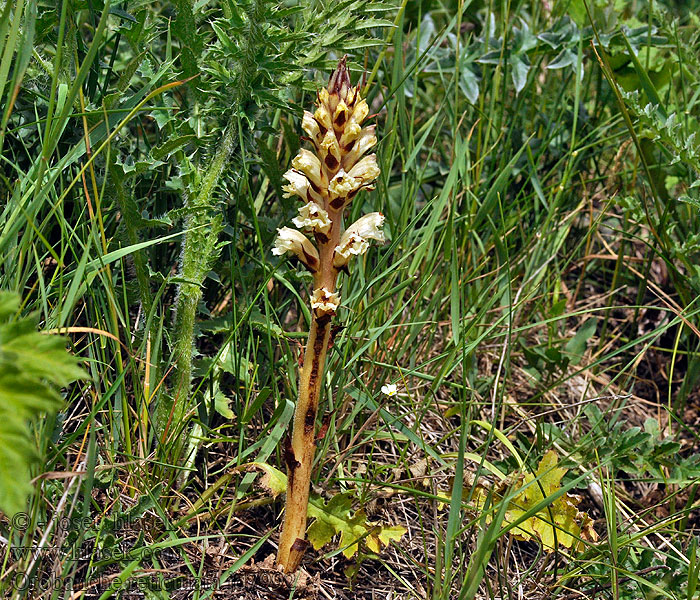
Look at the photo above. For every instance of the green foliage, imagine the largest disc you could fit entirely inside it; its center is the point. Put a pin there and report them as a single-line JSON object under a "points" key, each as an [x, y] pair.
{"points": [[32, 366], [646, 573], [638, 452], [546, 362]]}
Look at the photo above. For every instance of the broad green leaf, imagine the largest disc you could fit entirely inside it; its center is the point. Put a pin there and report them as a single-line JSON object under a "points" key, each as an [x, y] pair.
{"points": [[576, 346]]}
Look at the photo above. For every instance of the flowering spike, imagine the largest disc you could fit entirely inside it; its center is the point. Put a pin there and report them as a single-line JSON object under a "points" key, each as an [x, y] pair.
{"points": [[326, 179]]}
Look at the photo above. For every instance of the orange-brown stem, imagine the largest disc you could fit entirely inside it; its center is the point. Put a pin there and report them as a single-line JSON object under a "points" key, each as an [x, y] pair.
{"points": [[299, 451], [299, 454]]}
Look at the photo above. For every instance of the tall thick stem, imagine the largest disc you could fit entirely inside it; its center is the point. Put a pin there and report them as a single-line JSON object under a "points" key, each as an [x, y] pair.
{"points": [[299, 454]]}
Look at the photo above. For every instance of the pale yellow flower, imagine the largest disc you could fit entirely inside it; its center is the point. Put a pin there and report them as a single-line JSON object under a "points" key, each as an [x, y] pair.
{"points": [[355, 239], [330, 150], [351, 244], [291, 240], [366, 141], [300, 186], [369, 227], [322, 115], [312, 216], [340, 116], [341, 186], [307, 162], [310, 126], [360, 113], [350, 134], [366, 170], [325, 301]]}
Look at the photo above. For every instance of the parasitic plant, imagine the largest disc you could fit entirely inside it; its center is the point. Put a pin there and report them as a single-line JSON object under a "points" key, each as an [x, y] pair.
{"points": [[326, 180]]}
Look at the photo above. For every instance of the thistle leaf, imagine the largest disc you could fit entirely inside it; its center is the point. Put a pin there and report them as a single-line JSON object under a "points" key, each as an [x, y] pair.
{"points": [[32, 367]]}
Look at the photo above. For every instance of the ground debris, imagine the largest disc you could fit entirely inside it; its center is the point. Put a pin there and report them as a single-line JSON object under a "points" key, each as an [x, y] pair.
{"points": [[266, 580]]}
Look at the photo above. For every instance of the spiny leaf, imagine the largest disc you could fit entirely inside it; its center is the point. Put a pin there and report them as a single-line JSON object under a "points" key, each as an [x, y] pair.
{"points": [[38, 356], [32, 366]]}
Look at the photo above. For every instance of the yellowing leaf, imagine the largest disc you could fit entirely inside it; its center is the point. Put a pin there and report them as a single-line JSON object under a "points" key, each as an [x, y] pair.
{"points": [[331, 518], [387, 534], [273, 480], [337, 517], [560, 523], [320, 533], [549, 474], [353, 530]]}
